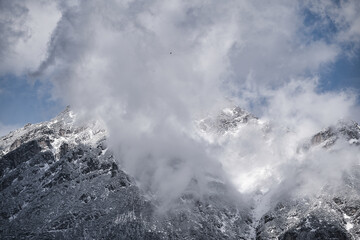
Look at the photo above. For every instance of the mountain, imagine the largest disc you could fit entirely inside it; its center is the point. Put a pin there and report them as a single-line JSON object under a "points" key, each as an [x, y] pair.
{"points": [[334, 212], [60, 180], [228, 119]]}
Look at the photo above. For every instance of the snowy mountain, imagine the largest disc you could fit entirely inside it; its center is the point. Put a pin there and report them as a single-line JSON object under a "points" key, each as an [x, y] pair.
{"points": [[332, 213], [59, 180]]}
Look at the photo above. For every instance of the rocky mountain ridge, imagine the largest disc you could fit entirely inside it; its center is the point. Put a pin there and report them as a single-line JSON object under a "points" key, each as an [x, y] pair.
{"points": [[59, 180]]}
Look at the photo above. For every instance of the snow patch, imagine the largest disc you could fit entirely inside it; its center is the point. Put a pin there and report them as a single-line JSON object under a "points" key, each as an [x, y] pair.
{"points": [[348, 225], [228, 111]]}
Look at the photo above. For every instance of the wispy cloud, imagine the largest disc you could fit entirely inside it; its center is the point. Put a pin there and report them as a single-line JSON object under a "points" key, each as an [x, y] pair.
{"points": [[25, 28]]}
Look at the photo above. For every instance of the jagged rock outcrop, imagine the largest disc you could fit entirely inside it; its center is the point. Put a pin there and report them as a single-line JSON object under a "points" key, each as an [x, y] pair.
{"points": [[349, 131], [227, 120]]}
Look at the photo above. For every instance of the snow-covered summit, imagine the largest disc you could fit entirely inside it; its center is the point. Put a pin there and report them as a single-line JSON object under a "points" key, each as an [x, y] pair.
{"points": [[227, 120], [62, 128], [345, 131]]}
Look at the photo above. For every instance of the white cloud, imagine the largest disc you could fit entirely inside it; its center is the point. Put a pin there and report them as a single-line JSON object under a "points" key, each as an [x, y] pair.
{"points": [[295, 112], [26, 28]]}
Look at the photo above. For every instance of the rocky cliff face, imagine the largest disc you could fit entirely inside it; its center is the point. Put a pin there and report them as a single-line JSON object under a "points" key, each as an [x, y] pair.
{"points": [[60, 181]]}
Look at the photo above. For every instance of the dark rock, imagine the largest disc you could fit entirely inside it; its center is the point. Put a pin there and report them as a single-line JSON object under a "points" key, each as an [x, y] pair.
{"points": [[18, 156], [312, 228]]}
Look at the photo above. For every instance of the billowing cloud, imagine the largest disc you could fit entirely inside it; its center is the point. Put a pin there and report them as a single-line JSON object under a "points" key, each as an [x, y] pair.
{"points": [[270, 152], [148, 69]]}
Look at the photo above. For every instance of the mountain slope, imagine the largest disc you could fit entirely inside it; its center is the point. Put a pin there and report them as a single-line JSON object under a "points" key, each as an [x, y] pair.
{"points": [[59, 180]]}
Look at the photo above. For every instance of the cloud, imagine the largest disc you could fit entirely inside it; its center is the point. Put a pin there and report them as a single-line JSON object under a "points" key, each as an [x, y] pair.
{"points": [[299, 103], [342, 16], [148, 69], [25, 28], [266, 155]]}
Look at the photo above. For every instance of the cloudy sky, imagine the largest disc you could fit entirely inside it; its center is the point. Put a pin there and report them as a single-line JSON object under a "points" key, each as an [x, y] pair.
{"points": [[239, 48], [148, 69]]}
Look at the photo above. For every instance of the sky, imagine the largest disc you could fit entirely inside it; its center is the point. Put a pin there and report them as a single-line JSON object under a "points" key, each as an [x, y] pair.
{"points": [[148, 69]]}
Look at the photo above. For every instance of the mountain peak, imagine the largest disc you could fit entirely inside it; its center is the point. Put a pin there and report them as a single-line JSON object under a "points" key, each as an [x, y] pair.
{"points": [[228, 119], [347, 130]]}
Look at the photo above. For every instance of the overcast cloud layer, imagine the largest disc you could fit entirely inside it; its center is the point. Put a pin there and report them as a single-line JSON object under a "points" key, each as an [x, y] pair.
{"points": [[148, 69]]}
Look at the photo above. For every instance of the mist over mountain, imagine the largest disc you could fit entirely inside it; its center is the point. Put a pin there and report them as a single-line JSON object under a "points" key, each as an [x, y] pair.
{"points": [[188, 119], [60, 179]]}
